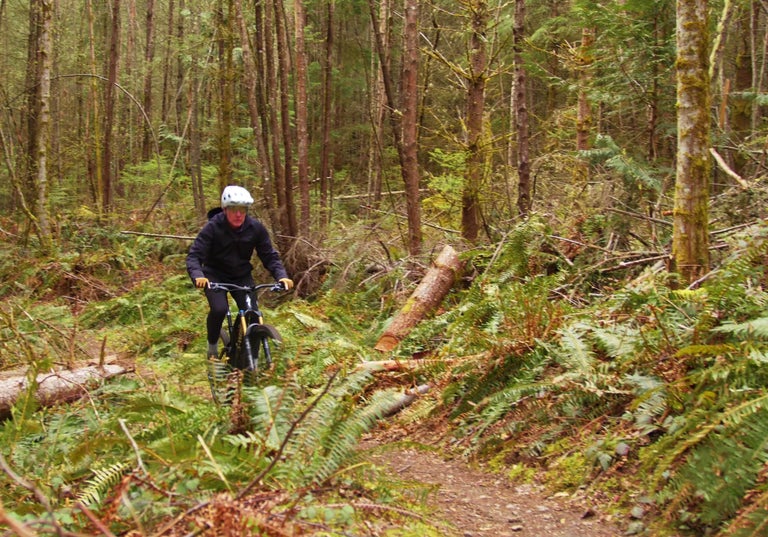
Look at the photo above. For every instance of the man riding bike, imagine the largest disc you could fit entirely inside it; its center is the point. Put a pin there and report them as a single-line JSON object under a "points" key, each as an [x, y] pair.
{"points": [[222, 253]]}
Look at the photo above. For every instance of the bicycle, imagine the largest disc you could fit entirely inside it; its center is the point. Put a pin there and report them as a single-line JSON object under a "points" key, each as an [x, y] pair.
{"points": [[246, 340]]}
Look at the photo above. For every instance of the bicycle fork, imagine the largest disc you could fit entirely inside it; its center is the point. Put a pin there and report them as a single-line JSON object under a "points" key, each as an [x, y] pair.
{"points": [[246, 342]]}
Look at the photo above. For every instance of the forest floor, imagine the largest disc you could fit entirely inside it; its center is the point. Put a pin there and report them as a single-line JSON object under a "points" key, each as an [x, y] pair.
{"points": [[473, 502]]}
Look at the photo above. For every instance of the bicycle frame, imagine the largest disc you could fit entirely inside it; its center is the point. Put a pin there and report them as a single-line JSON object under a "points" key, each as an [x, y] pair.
{"points": [[246, 339]]}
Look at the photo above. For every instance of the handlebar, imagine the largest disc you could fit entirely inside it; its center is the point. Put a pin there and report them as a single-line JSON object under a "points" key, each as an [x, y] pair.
{"points": [[217, 286]]}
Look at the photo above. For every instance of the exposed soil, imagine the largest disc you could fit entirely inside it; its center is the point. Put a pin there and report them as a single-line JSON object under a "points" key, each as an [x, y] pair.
{"points": [[478, 503]]}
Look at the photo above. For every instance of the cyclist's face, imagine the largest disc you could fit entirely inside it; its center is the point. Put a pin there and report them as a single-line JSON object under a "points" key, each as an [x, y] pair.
{"points": [[236, 215]]}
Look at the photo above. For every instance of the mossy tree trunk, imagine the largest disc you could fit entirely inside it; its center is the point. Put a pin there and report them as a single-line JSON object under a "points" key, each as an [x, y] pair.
{"points": [[690, 241]]}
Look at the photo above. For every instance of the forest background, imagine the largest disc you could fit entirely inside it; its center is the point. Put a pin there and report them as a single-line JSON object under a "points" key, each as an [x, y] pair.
{"points": [[567, 147]]}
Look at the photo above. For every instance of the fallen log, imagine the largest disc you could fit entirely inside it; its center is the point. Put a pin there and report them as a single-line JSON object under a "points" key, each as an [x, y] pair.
{"points": [[405, 399], [56, 386], [401, 365], [424, 299]]}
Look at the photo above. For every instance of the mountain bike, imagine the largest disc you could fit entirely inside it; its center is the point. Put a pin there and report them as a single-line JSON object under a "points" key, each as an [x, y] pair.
{"points": [[246, 352]]}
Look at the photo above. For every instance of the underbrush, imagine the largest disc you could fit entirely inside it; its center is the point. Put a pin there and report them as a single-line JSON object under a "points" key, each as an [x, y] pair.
{"points": [[633, 390]]}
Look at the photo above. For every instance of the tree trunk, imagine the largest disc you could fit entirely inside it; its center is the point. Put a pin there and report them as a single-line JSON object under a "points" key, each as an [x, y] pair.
{"points": [[408, 165], [195, 163], [43, 131], [291, 228], [410, 101], [251, 87], [425, 298], [378, 106], [521, 115], [584, 111], [325, 149], [690, 239], [280, 220], [475, 108], [165, 94], [52, 388], [149, 58], [94, 132], [302, 135], [32, 110], [109, 111], [225, 83], [180, 68]]}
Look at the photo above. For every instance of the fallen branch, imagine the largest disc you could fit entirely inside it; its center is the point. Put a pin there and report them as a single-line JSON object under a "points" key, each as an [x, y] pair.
{"points": [[406, 398], [727, 169], [159, 235]]}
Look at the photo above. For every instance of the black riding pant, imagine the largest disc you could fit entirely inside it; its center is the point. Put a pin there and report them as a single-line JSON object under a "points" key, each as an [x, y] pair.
{"points": [[219, 305]]}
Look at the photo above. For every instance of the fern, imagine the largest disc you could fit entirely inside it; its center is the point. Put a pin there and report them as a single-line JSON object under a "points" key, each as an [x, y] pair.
{"points": [[103, 480]]}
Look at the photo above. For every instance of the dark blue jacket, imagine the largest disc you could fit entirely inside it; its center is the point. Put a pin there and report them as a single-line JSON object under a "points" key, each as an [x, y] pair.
{"points": [[223, 254]]}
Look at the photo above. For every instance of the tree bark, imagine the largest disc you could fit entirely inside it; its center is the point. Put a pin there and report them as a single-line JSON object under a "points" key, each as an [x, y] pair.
{"points": [[425, 298], [475, 108], [325, 150], [59, 387], [225, 83], [521, 115], [410, 101], [149, 58], [109, 111], [690, 238], [302, 135], [378, 106], [43, 131], [251, 86], [291, 228], [409, 164]]}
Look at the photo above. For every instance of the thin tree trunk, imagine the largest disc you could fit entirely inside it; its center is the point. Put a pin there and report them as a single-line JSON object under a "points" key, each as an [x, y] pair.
{"points": [[690, 239], [524, 199], [250, 74], [584, 111], [165, 99], [302, 135], [43, 131], [285, 67], [410, 102], [275, 129], [195, 164], [109, 112], [94, 132], [396, 120], [32, 110], [475, 106], [180, 69], [325, 150], [378, 106], [226, 92], [149, 58]]}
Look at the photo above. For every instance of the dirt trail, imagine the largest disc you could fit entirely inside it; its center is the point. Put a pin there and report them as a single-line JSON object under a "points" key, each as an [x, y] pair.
{"points": [[480, 504]]}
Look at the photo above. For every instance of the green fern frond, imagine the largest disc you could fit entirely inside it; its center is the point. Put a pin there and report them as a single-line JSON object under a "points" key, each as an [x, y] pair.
{"points": [[752, 329], [751, 521], [100, 484], [574, 352]]}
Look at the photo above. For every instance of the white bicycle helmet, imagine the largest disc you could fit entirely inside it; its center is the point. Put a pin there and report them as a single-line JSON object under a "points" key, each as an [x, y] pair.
{"points": [[235, 196]]}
